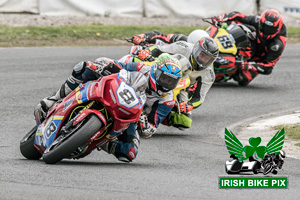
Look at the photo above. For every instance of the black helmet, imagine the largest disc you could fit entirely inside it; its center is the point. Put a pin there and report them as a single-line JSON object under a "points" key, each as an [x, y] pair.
{"points": [[270, 23], [281, 154], [204, 53]]}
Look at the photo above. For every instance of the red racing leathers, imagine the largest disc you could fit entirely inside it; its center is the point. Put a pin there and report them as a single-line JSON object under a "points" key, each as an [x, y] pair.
{"points": [[264, 52]]}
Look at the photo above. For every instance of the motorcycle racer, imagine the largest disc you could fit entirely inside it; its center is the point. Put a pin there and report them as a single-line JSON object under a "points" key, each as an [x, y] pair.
{"points": [[266, 48], [151, 37], [200, 55], [162, 77]]}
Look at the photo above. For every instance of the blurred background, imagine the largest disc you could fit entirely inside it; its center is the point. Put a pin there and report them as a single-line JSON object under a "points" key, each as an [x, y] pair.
{"points": [[290, 9]]}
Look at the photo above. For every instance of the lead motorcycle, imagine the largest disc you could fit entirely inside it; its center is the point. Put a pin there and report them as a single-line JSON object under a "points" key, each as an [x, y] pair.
{"points": [[234, 46], [90, 116]]}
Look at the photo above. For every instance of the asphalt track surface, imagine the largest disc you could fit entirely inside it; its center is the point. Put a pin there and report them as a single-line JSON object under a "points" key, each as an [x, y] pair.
{"points": [[171, 165]]}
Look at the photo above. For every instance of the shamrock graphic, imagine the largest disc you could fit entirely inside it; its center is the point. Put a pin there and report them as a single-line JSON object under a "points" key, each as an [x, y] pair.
{"points": [[234, 146]]}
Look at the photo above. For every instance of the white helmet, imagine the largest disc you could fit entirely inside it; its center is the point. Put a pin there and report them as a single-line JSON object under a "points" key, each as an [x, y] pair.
{"points": [[196, 35]]}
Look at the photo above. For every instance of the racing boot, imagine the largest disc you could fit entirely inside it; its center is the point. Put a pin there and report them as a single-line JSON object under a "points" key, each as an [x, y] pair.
{"points": [[110, 148], [48, 102], [40, 112]]}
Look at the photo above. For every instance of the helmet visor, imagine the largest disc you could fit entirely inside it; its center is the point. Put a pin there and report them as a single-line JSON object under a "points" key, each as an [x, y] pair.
{"points": [[202, 58], [267, 29], [167, 81]]}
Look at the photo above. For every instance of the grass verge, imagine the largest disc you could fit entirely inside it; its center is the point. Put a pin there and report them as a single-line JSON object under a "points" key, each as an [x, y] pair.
{"points": [[90, 35], [292, 131]]}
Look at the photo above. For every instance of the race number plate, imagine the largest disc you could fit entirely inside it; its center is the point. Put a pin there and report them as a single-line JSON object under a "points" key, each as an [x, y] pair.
{"points": [[126, 95]]}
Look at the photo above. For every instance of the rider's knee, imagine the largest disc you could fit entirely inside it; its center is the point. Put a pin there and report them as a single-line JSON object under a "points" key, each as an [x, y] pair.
{"points": [[126, 152]]}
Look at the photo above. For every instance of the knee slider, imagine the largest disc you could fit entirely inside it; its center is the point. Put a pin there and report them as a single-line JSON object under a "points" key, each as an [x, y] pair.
{"points": [[127, 153], [179, 120]]}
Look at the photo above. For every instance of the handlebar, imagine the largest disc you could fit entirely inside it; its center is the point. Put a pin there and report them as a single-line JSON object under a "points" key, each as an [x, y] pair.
{"points": [[209, 20]]}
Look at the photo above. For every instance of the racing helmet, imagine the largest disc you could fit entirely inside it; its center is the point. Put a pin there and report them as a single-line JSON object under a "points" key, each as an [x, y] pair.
{"points": [[165, 73], [204, 53], [281, 154], [196, 35], [270, 23]]}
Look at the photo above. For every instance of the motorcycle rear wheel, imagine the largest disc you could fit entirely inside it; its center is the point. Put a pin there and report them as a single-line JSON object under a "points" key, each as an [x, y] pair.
{"points": [[61, 150], [26, 146]]}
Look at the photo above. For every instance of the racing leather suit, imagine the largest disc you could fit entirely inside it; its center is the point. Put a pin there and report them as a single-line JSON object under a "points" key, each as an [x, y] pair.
{"points": [[265, 53], [204, 78], [152, 36]]}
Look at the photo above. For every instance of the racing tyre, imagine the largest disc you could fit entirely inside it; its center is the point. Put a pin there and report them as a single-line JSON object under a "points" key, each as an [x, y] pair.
{"points": [[62, 148], [26, 146]]}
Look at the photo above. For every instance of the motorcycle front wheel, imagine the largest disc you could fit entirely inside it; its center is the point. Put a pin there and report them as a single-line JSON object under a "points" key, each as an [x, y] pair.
{"points": [[26, 146], [59, 150]]}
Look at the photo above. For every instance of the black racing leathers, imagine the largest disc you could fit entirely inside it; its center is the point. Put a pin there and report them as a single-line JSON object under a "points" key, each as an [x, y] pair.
{"points": [[264, 52]]}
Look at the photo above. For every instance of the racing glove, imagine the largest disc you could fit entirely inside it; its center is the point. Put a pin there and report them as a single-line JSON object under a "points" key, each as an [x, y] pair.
{"points": [[95, 66], [138, 39], [218, 19], [145, 129], [245, 66], [144, 54], [185, 107]]}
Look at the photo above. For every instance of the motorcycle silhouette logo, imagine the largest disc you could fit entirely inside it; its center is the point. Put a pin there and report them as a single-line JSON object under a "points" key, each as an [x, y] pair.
{"points": [[262, 159]]}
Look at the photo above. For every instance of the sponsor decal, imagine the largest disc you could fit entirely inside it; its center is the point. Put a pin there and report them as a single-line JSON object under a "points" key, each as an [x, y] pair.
{"points": [[182, 44], [275, 47], [96, 135], [79, 96], [169, 103], [131, 153], [254, 159], [173, 68], [80, 117], [102, 143], [67, 104]]}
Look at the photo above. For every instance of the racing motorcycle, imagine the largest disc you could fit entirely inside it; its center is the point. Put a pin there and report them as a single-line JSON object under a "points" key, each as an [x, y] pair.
{"points": [[93, 114], [234, 46]]}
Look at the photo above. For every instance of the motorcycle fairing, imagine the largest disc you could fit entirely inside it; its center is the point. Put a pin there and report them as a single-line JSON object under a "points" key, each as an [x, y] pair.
{"points": [[224, 40], [46, 132], [81, 93]]}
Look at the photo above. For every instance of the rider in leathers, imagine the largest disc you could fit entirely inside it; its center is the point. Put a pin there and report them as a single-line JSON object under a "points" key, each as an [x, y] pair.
{"points": [[125, 148], [266, 48], [194, 96]]}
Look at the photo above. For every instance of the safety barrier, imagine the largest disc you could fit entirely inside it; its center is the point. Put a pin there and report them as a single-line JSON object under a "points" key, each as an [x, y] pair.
{"points": [[290, 9]]}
